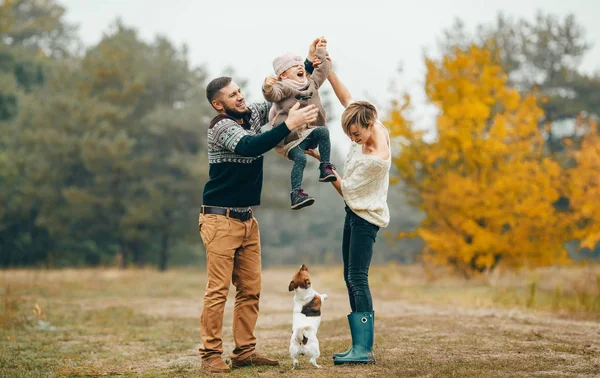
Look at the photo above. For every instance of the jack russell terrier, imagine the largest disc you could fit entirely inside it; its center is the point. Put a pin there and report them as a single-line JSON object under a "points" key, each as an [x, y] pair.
{"points": [[306, 318]]}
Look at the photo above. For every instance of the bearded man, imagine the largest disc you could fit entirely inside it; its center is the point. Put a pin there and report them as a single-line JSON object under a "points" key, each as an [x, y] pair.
{"points": [[229, 231]]}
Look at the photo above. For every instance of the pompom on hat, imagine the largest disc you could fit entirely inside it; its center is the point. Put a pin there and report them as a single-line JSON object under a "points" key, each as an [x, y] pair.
{"points": [[285, 61]]}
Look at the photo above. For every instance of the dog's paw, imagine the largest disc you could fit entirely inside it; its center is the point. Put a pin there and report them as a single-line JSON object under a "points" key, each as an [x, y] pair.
{"points": [[325, 296]]}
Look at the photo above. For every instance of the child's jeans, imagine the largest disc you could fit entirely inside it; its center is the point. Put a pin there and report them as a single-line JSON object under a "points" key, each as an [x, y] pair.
{"points": [[319, 137]]}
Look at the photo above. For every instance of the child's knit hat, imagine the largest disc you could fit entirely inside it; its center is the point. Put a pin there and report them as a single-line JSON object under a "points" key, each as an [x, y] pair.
{"points": [[285, 61]]}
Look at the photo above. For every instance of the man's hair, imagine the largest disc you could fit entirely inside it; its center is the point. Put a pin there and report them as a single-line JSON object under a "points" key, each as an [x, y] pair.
{"points": [[359, 113], [215, 86]]}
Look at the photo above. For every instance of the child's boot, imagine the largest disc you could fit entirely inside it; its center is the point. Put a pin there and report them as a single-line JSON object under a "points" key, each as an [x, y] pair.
{"points": [[327, 174], [300, 199]]}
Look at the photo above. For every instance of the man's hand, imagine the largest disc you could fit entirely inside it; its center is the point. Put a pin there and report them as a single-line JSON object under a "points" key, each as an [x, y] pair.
{"points": [[298, 117], [269, 82], [318, 42]]}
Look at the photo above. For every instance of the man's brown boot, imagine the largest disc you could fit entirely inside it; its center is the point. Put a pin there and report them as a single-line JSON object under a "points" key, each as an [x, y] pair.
{"points": [[254, 359], [215, 364]]}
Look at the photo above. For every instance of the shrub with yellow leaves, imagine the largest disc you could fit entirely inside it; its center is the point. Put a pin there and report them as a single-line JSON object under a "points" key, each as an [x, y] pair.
{"points": [[484, 183], [582, 184]]}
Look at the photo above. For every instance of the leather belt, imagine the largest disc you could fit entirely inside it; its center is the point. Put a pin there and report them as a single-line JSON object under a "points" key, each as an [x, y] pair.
{"points": [[243, 216]]}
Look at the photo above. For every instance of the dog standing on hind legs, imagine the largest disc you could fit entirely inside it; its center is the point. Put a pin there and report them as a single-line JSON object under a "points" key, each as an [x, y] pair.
{"points": [[306, 318]]}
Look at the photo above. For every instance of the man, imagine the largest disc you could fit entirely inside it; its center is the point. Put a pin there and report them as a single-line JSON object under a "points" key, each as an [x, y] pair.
{"points": [[227, 226]]}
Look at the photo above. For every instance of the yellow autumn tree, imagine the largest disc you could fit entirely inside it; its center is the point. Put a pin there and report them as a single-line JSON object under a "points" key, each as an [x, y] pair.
{"points": [[582, 184], [484, 184]]}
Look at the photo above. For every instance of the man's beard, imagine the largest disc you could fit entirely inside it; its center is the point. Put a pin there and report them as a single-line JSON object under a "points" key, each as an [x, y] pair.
{"points": [[236, 114]]}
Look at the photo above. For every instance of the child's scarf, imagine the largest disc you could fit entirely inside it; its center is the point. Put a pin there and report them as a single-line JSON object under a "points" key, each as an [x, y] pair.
{"points": [[296, 84]]}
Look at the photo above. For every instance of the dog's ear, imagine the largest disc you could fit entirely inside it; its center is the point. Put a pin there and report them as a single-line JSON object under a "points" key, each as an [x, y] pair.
{"points": [[291, 287]]}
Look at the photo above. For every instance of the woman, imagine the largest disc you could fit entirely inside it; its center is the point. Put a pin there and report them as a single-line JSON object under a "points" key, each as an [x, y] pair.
{"points": [[364, 188]]}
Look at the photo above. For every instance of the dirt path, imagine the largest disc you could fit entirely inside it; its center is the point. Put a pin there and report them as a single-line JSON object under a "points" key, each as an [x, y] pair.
{"points": [[421, 339], [144, 323]]}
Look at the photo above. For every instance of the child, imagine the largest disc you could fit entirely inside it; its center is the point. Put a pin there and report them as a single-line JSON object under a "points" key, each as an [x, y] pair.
{"points": [[292, 85]]}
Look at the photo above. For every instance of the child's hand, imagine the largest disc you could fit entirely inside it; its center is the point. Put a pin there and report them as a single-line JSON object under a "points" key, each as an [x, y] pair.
{"points": [[314, 153], [313, 47], [269, 82], [317, 61], [322, 43]]}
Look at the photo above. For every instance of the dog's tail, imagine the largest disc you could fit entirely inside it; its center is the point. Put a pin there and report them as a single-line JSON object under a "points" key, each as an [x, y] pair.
{"points": [[302, 334]]}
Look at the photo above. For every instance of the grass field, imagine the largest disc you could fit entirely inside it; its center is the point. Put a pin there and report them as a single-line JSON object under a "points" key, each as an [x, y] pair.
{"points": [[108, 322]]}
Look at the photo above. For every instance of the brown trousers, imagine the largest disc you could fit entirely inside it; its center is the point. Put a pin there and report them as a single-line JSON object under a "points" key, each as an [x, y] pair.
{"points": [[232, 255]]}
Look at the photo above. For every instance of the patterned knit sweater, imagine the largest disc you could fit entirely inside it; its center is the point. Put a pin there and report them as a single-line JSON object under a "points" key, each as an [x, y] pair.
{"points": [[365, 185], [235, 157]]}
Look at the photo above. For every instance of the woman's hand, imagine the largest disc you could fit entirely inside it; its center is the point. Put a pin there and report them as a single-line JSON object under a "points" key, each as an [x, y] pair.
{"points": [[314, 153], [336, 184]]}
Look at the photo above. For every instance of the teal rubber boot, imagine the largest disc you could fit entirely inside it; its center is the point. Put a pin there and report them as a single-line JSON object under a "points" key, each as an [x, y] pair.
{"points": [[362, 328], [343, 354]]}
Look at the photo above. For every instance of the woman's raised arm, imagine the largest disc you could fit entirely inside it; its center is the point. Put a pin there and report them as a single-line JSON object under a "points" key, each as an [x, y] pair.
{"points": [[342, 93]]}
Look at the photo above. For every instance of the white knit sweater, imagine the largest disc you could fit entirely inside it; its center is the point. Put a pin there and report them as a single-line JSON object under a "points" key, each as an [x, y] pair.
{"points": [[365, 185]]}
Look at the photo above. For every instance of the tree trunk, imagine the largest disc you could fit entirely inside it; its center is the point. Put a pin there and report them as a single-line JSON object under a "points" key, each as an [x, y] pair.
{"points": [[138, 256], [164, 252], [124, 254], [49, 259]]}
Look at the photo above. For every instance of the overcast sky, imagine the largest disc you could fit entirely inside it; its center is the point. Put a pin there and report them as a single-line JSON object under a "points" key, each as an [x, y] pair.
{"points": [[368, 39]]}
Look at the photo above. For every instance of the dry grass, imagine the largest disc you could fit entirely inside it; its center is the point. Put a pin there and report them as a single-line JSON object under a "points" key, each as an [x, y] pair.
{"points": [[429, 324]]}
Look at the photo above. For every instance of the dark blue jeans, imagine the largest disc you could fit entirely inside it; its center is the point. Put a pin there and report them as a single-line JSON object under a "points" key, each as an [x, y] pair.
{"points": [[357, 251]]}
